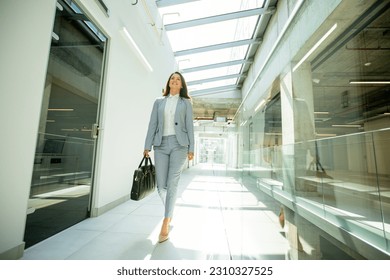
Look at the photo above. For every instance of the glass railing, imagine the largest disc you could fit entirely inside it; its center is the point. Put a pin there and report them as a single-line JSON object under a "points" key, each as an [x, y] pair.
{"points": [[345, 180]]}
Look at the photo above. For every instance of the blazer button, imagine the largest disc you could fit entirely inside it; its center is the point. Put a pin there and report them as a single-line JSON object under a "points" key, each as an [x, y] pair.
{"points": [[175, 123]]}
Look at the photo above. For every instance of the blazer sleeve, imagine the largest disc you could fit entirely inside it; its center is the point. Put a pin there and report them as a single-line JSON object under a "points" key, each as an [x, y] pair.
{"points": [[153, 123], [190, 126]]}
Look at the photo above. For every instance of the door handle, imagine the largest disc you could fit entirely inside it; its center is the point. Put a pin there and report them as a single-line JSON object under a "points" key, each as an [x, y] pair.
{"points": [[95, 131]]}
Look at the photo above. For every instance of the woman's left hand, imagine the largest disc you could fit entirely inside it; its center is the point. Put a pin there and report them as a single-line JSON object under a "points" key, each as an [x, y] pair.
{"points": [[190, 156]]}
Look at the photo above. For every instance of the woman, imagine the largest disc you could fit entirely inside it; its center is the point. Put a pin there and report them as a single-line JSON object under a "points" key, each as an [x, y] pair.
{"points": [[171, 133]]}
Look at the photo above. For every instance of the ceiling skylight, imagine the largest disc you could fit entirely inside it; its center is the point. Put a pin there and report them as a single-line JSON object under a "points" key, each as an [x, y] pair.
{"points": [[211, 38]]}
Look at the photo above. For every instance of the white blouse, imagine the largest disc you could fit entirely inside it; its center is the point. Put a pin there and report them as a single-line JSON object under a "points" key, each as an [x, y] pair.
{"points": [[169, 115]]}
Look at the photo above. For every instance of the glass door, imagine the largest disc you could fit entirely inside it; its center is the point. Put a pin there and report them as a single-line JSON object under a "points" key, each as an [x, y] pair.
{"points": [[61, 184]]}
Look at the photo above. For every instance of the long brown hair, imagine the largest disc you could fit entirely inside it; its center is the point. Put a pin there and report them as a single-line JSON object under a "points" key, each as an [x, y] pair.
{"points": [[183, 90]]}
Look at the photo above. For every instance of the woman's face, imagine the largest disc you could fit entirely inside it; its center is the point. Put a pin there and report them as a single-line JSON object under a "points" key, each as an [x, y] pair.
{"points": [[175, 82]]}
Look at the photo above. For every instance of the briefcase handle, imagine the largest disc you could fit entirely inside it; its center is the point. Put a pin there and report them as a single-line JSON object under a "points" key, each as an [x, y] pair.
{"points": [[146, 162]]}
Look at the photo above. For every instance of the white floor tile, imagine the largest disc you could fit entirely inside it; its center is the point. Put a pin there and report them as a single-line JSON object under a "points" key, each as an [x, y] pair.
{"points": [[117, 246], [60, 246]]}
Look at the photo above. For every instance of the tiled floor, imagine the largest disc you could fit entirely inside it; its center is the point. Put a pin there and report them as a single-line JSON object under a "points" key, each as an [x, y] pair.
{"points": [[217, 216]]}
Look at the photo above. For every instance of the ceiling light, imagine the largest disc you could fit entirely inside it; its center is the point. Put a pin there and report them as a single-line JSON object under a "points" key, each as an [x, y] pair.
{"points": [[60, 110], [321, 113], [322, 119], [369, 82], [136, 49], [347, 125], [273, 133], [317, 81], [326, 134], [315, 46], [367, 64]]}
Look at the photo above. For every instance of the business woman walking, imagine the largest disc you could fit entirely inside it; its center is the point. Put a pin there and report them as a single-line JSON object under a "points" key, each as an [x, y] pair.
{"points": [[171, 133]]}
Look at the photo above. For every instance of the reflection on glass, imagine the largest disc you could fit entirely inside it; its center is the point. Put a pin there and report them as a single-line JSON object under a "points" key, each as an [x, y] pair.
{"points": [[342, 108], [265, 138], [339, 169]]}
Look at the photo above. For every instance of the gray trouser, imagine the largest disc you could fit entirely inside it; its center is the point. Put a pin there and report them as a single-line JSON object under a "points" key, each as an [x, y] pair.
{"points": [[169, 160]]}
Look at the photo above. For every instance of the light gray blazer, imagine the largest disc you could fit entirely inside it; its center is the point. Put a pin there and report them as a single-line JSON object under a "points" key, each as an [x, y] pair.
{"points": [[184, 126]]}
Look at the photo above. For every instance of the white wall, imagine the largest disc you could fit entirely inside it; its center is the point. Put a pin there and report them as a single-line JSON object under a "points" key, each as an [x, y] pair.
{"points": [[25, 32], [128, 94]]}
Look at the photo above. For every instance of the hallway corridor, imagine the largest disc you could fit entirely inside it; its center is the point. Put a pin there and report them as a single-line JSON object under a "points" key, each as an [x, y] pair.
{"points": [[217, 217]]}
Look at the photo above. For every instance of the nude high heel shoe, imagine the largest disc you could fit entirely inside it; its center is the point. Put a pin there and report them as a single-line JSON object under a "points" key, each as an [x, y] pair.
{"points": [[164, 237]]}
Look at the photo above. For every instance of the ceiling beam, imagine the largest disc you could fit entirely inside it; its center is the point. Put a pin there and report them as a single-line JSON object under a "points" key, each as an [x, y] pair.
{"points": [[214, 79], [217, 47], [216, 65], [166, 3], [213, 19], [215, 90]]}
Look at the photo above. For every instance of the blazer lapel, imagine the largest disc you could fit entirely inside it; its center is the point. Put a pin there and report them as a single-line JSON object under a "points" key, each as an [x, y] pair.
{"points": [[160, 112], [178, 108]]}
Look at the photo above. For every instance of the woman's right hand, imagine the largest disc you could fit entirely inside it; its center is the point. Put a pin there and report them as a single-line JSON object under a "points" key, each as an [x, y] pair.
{"points": [[146, 153]]}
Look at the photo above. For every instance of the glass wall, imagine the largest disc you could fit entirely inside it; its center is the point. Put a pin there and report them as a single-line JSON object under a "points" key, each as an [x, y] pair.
{"points": [[339, 165], [61, 183], [265, 136]]}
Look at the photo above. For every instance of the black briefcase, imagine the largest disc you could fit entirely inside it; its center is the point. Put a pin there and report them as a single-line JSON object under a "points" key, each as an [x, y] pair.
{"points": [[144, 180]]}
